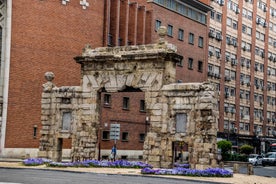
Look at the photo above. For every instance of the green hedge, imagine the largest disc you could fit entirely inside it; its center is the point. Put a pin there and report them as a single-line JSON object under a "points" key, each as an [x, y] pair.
{"points": [[234, 157]]}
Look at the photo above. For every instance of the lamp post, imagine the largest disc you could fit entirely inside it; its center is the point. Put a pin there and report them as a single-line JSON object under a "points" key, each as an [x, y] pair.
{"points": [[146, 124]]}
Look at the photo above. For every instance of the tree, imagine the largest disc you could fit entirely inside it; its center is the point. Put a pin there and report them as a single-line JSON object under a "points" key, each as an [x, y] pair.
{"points": [[224, 145], [246, 149]]}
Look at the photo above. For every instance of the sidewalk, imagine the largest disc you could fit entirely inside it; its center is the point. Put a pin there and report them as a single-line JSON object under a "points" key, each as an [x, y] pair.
{"points": [[236, 179]]}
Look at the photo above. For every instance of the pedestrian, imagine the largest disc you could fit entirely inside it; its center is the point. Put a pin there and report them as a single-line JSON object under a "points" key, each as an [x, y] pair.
{"points": [[113, 153]]}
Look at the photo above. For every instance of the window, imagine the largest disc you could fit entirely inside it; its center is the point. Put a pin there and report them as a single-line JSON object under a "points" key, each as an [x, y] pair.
{"points": [[190, 63], [107, 99], [200, 42], [213, 14], [235, 24], [66, 120], [157, 24], [124, 136], [105, 135], [141, 137], [180, 62], [142, 106], [170, 30], [125, 103], [229, 22], [191, 38], [181, 122], [219, 17], [35, 131], [180, 34], [200, 66]]}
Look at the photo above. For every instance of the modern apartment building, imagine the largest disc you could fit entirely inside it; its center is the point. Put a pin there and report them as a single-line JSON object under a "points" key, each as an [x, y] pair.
{"points": [[242, 64]]}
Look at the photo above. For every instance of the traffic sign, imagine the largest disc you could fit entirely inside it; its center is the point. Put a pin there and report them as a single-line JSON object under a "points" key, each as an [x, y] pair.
{"points": [[115, 131]]}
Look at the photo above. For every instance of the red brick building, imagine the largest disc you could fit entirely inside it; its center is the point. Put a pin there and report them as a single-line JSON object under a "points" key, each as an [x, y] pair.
{"points": [[47, 35]]}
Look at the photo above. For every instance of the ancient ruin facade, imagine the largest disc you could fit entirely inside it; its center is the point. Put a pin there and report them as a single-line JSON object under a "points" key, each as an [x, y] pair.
{"points": [[177, 111]]}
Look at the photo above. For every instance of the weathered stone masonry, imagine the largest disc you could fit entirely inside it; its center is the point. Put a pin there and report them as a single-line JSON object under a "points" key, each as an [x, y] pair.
{"points": [[73, 111]]}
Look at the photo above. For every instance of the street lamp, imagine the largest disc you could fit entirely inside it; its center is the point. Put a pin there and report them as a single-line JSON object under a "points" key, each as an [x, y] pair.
{"points": [[146, 124]]}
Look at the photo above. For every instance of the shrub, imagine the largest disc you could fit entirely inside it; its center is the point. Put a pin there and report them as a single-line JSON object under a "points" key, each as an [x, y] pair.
{"points": [[246, 149], [224, 145]]}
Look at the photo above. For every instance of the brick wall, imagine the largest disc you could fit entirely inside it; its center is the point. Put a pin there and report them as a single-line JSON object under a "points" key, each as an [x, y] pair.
{"points": [[131, 120], [45, 37], [184, 48]]}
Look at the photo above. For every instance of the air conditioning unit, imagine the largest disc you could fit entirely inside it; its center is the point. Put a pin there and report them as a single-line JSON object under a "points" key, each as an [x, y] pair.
{"points": [[237, 11], [218, 55], [244, 48], [221, 3], [227, 78], [265, 24], [270, 57], [211, 53], [227, 96], [218, 37], [248, 83], [211, 34]]}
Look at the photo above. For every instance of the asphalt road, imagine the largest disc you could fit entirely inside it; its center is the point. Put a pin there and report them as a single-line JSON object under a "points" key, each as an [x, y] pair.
{"points": [[268, 171], [36, 176]]}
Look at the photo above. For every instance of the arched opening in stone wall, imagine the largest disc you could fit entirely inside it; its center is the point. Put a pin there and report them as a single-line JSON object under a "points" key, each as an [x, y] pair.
{"points": [[125, 109]]}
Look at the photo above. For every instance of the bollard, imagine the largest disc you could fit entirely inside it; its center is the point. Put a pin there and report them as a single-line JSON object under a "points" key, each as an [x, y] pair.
{"points": [[236, 168], [250, 169], [221, 165]]}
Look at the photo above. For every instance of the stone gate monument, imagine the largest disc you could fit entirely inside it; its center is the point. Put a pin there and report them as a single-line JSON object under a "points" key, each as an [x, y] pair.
{"points": [[178, 111]]}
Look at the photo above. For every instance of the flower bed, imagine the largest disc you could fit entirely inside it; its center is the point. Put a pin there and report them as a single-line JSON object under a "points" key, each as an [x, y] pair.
{"points": [[35, 161], [211, 172], [86, 163], [180, 169]]}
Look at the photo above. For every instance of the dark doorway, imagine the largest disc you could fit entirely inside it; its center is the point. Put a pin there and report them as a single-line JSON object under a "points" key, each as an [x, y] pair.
{"points": [[59, 149], [180, 152]]}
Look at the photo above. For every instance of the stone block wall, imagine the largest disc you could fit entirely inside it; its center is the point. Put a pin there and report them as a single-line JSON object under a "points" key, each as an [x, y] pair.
{"points": [[199, 102]]}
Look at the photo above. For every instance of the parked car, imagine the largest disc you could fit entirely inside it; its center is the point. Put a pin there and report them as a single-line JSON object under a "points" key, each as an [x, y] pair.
{"points": [[269, 159], [255, 159]]}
